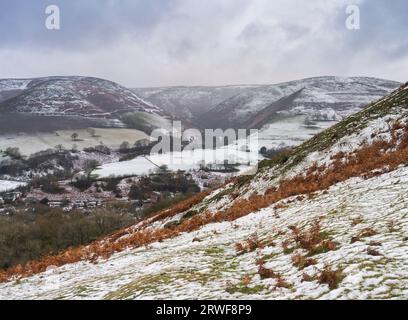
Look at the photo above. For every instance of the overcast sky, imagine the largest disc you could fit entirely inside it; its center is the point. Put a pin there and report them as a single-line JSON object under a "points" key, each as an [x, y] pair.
{"points": [[196, 42]]}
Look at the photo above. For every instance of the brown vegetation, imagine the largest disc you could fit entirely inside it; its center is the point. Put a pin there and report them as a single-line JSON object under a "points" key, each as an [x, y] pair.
{"points": [[306, 277], [251, 244], [331, 277], [356, 221], [282, 283], [302, 262], [313, 240], [373, 252], [266, 273], [366, 232]]}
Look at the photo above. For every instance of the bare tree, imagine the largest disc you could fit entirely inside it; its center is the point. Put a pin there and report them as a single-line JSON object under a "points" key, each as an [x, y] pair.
{"points": [[124, 146], [74, 136]]}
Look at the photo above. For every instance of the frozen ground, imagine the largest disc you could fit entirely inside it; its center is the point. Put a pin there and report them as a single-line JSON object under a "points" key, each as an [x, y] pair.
{"points": [[185, 160], [185, 269], [6, 185]]}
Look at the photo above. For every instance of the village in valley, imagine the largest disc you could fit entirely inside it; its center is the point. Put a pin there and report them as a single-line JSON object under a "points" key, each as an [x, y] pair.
{"points": [[64, 178]]}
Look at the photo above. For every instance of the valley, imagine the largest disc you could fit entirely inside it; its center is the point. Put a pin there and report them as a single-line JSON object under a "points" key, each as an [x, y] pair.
{"points": [[236, 154], [303, 223]]}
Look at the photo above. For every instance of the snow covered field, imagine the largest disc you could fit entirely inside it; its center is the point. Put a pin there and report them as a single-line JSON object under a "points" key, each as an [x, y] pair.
{"points": [[31, 143], [185, 160], [290, 131], [6, 185], [211, 268]]}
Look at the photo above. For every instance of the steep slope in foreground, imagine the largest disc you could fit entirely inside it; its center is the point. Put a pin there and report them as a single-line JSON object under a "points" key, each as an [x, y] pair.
{"points": [[328, 220], [210, 268]]}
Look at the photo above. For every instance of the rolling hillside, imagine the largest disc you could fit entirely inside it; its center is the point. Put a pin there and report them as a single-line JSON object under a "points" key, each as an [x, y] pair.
{"points": [[77, 96], [321, 98], [326, 220], [69, 102], [189, 103]]}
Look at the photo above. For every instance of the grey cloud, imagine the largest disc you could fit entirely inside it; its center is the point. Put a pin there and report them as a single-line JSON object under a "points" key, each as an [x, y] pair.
{"points": [[189, 42]]}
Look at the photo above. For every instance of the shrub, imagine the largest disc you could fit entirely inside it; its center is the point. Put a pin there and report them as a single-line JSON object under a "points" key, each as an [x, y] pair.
{"points": [[331, 277], [13, 153], [306, 277], [366, 232], [52, 187], [373, 252], [356, 221], [302, 262], [265, 273], [82, 183], [282, 283], [313, 240], [249, 245]]}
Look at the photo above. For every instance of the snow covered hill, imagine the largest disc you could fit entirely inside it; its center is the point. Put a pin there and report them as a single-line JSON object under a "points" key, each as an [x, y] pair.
{"points": [[323, 98], [69, 103], [287, 114], [188, 103], [327, 220], [83, 96]]}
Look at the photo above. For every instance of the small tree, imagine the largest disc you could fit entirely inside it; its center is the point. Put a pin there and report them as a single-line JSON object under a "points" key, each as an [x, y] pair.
{"points": [[13, 153], [59, 147], [124, 146], [74, 136], [90, 166]]}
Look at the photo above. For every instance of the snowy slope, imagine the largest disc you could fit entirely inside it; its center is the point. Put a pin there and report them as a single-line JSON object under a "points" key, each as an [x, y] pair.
{"points": [[70, 103], [13, 84], [12, 87], [82, 96], [336, 96], [181, 268], [188, 103]]}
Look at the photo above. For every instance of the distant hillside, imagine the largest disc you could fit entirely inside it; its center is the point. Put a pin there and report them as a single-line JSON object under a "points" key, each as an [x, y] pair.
{"points": [[72, 102], [83, 96], [10, 88], [330, 98], [189, 103]]}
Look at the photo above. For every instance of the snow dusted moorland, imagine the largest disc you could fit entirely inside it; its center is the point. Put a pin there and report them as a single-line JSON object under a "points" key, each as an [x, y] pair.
{"points": [[211, 268], [344, 241]]}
